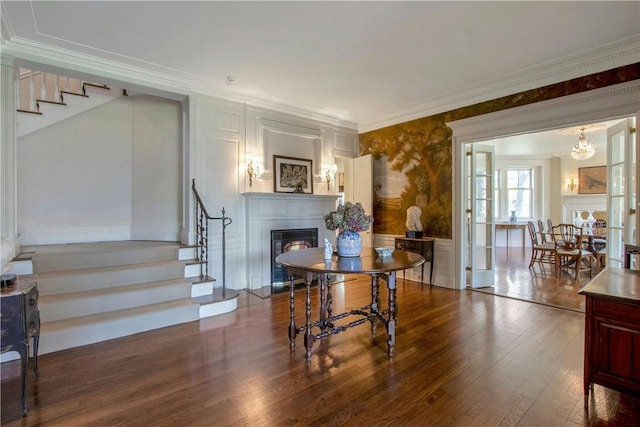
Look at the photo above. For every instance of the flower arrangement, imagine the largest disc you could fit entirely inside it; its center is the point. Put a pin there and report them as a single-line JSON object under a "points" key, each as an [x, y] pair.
{"points": [[349, 216]]}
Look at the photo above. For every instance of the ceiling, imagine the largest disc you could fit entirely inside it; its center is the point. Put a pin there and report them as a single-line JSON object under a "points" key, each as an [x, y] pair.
{"points": [[369, 64], [553, 143]]}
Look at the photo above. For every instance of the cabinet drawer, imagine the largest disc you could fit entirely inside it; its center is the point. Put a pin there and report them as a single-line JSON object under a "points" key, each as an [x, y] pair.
{"points": [[615, 310]]}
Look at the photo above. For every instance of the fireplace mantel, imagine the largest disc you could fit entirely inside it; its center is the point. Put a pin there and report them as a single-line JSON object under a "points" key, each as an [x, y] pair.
{"points": [[280, 211], [287, 196]]}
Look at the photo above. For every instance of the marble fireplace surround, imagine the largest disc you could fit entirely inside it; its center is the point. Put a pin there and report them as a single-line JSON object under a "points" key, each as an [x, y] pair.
{"points": [[280, 211]]}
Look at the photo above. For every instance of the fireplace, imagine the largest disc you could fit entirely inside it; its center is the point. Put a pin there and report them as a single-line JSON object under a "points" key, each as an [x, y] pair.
{"points": [[280, 211], [289, 240]]}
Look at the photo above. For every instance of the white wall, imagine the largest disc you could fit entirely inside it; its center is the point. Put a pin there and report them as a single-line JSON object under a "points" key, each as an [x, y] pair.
{"points": [[91, 177], [157, 155], [222, 134]]}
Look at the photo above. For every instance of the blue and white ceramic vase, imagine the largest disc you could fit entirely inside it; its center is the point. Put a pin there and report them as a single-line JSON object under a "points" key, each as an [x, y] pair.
{"points": [[513, 218], [349, 243]]}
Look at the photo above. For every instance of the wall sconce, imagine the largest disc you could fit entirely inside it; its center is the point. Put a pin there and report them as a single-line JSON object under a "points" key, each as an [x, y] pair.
{"points": [[329, 173], [254, 168], [572, 183]]}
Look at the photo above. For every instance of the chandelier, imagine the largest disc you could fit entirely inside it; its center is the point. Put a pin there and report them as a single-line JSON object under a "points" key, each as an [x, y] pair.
{"points": [[583, 149]]}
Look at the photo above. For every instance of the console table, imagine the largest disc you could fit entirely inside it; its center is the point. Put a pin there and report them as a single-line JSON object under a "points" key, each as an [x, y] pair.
{"points": [[423, 247], [508, 226], [20, 322], [612, 331], [311, 264]]}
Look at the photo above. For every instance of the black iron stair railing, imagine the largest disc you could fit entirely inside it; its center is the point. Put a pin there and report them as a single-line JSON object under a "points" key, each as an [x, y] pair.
{"points": [[202, 237]]}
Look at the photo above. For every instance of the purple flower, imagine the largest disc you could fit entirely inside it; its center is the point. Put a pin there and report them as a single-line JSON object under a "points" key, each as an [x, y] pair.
{"points": [[349, 216]]}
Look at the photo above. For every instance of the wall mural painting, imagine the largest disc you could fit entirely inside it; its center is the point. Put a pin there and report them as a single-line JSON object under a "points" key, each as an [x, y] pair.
{"points": [[413, 160], [412, 167]]}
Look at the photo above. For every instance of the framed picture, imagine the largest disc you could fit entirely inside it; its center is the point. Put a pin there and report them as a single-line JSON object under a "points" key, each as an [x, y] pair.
{"points": [[292, 175], [592, 180]]}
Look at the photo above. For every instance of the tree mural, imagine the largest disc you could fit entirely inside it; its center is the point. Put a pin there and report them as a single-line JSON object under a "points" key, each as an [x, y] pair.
{"points": [[421, 150]]}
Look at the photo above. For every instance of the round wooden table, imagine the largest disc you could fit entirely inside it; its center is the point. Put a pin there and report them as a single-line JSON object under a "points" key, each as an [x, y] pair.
{"points": [[310, 264]]}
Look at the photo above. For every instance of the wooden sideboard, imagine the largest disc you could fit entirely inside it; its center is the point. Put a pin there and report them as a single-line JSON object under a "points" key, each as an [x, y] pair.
{"points": [[612, 332], [20, 320], [423, 246]]}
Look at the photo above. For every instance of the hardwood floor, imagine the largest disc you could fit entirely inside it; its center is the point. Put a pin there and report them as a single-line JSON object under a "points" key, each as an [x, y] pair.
{"points": [[462, 358], [514, 279]]}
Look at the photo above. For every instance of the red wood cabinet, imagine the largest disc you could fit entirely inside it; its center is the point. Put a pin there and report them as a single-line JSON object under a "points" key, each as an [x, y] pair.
{"points": [[612, 332]]}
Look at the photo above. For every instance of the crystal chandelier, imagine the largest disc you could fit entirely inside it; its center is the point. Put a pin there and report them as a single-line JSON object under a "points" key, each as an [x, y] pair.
{"points": [[583, 149]]}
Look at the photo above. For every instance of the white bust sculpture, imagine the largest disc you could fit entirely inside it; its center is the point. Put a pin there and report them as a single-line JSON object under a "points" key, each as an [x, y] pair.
{"points": [[328, 249], [414, 222]]}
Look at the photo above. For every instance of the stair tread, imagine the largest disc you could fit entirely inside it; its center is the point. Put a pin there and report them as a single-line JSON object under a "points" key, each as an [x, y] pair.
{"points": [[19, 110], [74, 93], [116, 314], [196, 280], [112, 290], [97, 247], [216, 296], [104, 269], [46, 101]]}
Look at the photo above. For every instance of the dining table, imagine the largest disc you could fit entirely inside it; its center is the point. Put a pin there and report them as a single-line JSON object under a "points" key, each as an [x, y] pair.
{"points": [[311, 265]]}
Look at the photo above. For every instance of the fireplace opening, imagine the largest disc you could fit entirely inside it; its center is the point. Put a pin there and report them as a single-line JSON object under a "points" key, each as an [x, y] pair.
{"points": [[289, 240]]}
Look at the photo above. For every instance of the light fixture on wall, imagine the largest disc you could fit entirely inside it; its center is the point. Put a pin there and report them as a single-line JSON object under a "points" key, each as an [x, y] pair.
{"points": [[572, 183], [329, 173], [254, 168], [583, 149]]}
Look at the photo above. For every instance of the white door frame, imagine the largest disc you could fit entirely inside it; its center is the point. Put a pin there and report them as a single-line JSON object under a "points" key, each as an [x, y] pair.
{"points": [[612, 102]]}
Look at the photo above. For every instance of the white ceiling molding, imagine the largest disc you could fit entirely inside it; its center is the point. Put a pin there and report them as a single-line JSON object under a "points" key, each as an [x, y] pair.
{"points": [[177, 86]]}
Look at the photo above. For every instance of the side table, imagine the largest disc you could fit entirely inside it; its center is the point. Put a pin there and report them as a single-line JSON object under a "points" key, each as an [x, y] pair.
{"points": [[423, 247], [20, 322]]}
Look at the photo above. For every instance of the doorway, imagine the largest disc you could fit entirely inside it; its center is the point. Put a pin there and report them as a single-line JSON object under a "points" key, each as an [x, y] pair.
{"points": [[609, 103]]}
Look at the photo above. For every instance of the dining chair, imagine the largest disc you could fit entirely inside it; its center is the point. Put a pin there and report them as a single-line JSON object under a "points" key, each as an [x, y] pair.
{"points": [[542, 252], [569, 250], [543, 234]]}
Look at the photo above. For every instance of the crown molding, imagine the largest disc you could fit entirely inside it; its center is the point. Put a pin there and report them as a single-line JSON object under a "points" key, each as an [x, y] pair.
{"points": [[179, 85], [617, 54]]}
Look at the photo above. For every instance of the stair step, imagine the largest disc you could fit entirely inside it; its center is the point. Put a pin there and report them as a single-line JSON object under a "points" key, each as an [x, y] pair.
{"points": [[59, 282], [92, 96], [84, 303], [92, 292], [46, 101], [69, 333], [96, 85], [74, 93], [215, 304], [48, 258], [187, 252]]}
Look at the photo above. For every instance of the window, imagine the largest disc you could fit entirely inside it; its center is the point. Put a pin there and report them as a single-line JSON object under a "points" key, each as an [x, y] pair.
{"points": [[520, 192], [514, 192]]}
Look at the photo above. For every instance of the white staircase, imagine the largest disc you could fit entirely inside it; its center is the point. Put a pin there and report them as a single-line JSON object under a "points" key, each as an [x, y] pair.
{"points": [[45, 98], [92, 292]]}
